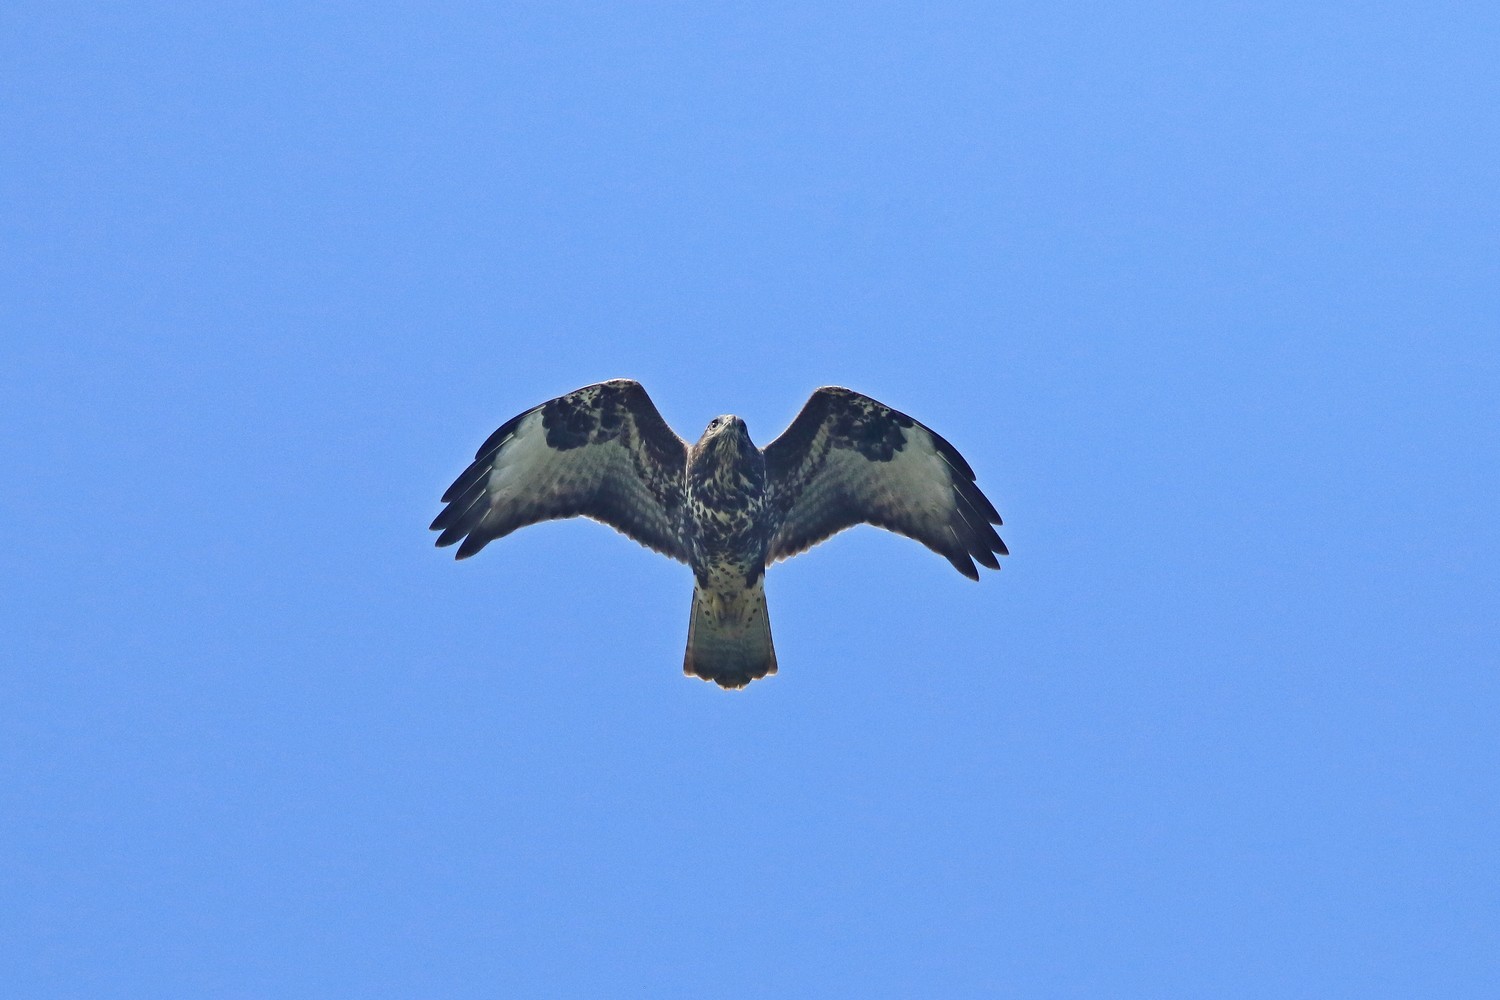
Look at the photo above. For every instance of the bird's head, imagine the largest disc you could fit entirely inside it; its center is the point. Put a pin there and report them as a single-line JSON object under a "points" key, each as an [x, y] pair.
{"points": [[726, 434]]}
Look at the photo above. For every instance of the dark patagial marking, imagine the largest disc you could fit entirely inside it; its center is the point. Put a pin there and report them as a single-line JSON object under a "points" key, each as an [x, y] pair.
{"points": [[585, 417], [874, 435], [610, 411]]}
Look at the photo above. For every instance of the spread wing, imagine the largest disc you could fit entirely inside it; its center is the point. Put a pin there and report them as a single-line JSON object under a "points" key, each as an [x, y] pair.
{"points": [[602, 451], [848, 460]]}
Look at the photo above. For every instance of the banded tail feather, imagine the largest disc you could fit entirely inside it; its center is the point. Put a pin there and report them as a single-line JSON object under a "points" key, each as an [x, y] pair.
{"points": [[729, 636]]}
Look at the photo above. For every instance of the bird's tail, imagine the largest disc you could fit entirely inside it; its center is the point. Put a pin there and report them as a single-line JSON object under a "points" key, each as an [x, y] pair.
{"points": [[729, 636]]}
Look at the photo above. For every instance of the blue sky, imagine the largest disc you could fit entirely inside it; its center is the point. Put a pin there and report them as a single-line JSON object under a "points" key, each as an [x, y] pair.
{"points": [[1206, 295]]}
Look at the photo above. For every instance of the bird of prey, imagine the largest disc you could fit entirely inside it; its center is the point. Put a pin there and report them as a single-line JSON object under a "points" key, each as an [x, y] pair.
{"points": [[723, 506]]}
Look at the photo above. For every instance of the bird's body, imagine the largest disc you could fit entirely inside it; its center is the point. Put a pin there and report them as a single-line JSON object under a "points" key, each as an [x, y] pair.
{"points": [[728, 530], [725, 518], [725, 507]]}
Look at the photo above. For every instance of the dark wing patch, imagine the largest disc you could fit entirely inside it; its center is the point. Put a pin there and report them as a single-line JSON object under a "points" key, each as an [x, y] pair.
{"points": [[602, 452], [848, 459]]}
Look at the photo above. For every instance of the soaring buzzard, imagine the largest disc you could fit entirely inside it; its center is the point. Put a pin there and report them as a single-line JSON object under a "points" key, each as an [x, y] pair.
{"points": [[723, 506]]}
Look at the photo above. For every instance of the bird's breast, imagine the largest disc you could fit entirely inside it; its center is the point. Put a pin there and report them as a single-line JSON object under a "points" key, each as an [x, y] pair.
{"points": [[726, 526]]}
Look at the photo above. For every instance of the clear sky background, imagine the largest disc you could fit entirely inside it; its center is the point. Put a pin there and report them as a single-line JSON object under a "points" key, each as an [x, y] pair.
{"points": [[1207, 295]]}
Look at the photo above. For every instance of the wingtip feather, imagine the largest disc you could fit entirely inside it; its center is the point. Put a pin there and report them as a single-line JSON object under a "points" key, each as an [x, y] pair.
{"points": [[963, 564], [471, 546]]}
